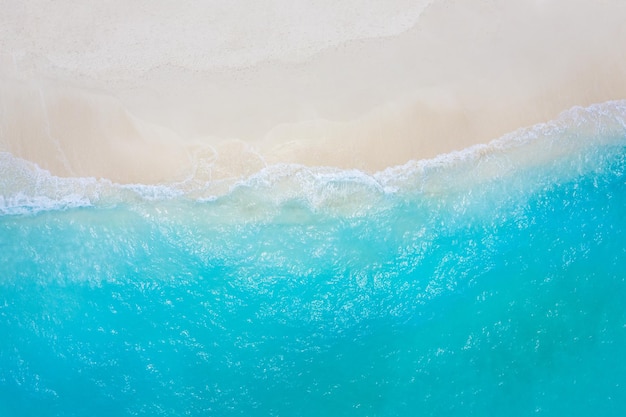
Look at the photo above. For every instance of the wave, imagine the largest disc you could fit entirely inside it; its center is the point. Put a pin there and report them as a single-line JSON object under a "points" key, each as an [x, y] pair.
{"points": [[485, 281], [577, 142]]}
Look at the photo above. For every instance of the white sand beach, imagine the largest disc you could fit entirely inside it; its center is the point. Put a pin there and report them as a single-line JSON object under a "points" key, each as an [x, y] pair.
{"points": [[152, 91]]}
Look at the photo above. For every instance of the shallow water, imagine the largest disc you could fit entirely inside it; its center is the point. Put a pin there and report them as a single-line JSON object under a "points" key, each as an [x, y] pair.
{"points": [[485, 282]]}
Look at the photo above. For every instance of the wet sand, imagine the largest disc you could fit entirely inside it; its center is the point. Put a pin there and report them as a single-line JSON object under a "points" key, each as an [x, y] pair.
{"points": [[156, 104]]}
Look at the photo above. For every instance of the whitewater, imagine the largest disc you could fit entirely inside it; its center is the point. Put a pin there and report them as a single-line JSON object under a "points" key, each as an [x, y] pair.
{"points": [[488, 281], [295, 208]]}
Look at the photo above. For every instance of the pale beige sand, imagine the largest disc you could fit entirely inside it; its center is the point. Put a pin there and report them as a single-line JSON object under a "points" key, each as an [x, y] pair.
{"points": [[147, 94]]}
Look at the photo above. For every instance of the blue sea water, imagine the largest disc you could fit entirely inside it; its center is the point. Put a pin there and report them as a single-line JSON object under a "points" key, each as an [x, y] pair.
{"points": [[485, 282]]}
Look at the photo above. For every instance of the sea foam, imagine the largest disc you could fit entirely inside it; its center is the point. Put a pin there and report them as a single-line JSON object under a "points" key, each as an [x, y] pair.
{"points": [[566, 146], [484, 282]]}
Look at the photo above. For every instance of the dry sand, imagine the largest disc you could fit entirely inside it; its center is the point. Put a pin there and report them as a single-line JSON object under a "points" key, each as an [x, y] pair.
{"points": [[149, 93]]}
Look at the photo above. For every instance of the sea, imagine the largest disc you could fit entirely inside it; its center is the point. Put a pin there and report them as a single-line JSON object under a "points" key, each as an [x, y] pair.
{"points": [[489, 281]]}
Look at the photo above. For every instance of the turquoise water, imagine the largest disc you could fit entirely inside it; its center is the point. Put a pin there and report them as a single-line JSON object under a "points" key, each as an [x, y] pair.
{"points": [[485, 282]]}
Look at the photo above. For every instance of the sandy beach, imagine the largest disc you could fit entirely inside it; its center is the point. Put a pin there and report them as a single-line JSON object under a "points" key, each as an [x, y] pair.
{"points": [[149, 93]]}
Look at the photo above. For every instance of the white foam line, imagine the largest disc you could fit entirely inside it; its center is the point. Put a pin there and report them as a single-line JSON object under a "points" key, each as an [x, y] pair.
{"points": [[40, 190]]}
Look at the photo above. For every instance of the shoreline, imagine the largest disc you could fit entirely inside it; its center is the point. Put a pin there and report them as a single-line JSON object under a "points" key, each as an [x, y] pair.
{"points": [[581, 140], [461, 76]]}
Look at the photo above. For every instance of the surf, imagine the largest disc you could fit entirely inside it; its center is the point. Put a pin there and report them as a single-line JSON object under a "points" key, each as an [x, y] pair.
{"points": [[485, 281]]}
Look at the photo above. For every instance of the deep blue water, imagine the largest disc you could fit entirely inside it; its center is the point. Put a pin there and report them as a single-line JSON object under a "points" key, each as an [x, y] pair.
{"points": [[493, 285]]}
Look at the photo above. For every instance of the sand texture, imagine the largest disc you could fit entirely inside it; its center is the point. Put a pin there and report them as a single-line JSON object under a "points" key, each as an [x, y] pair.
{"points": [[152, 92]]}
